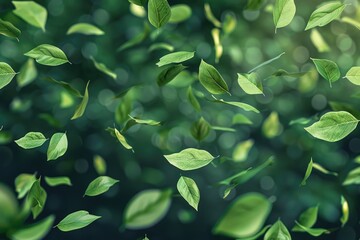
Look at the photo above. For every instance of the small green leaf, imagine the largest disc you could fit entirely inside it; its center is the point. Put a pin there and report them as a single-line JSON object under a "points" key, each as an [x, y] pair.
{"points": [[176, 57], [158, 46], [345, 211], [37, 198], [272, 127], [23, 184], [307, 219], [31, 140], [147, 208], [66, 86], [200, 129], [282, 72], [122, 139], [27, 74], [102, 68], [133, 121], [351, 21], [241, 119], [180, 13], [283, 13], [31, 12], [48, 55], [353, 177], [136, 40], [159, 12], [229, 23], [192, 99], [211, 79], [6, 74], [82, 106], [250, 83], [325, 14], [266, 62], [313, 231], [327, 69], [9, 30], [318, 41], [169, 74], [210, 16], [333, 126], [242, 150], [307, 173], [99, 165], [36, 231], [57, 147], [189, 191], [241, 105], [323, 170], [277, 231], [56, 181], [244, 217], [353, 75], [215, 33], [100, 185], [223, 129], [190, 159], [85, 28], [76, 220]]}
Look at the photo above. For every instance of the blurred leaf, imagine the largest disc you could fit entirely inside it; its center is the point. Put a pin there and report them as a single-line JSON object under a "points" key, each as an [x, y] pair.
{"points": [[283, 13], [99, 165], [169, 74], [189, 191], [66, 86], [215, 33], [137, 39], [345, 211], [147, 208], [256, 236], [301, 121], [266, 62], [76, 220], [333, 126], [323, 170], [176, 57], [27, 74], [351, 21], [102, 68], [211, 79], [37, 197], [36, 231], [250, 83], [277, 231], [307, 173], [223, 129], [241, 150], [272, 127], [8, 207], [9, 30], [189, 159], [100, 185], [84, 28], [210, 16], [244, 217], [200, 129], [123, 110], [6, 74], [31, 12], [313, 231], [56, 181], [48, 55], [353, 177], [138, 2], [159, 12], [82, 106], [57, 147], [180, 13], [122, 139], [23, 184], [31, 140], [241, 105], [325, 14], [327, 69], [229, 23], [157, 46], [241, 119], [353, 75], [318, 41], [307, 219], [284, 73], [192, 99]]}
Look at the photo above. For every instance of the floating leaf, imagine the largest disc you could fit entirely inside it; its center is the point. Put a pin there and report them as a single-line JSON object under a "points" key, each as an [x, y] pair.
{"points": [[250, 83], [169, 74], [353, 75], [100, 185], [36, 197], [136, 40], [180, 13], [84, 28], [318, 41], [307, 173], [215, 33], [190, 159], [57, 147], [76, 220], [223, 129], [345, 211], [257, 235], [122, 139], [272, 127], [241, 119], [325, 14], [157, 46], [211, 79], [189, 191], [138, 2], [192, 99], [99, 165], [241, 150], [200, 129], [327, 69], [66, 86], [283, 13], [229, 23], [266, 62], [23, 184], [307, 219], [6, 74], [31, 140], [245, 216], [9, 30], [133, 121], [241, 105], [351, 21], [176, 57], [313, 231], [27, 74], [102, 68], [301, 121], [147, 208], [159, 12], [34, 231], [47, 54], [282, 72], [82, 106], [31, 12], [333, 126], [353, 177], [323, 170], [278, 231], [210, 16], [56, 181]]}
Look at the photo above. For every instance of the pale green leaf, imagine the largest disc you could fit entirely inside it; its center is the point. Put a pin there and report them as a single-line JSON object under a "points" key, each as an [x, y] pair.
{"points": [[159, 12], [307, 219], [190, 159], [242, 150], [241, 119], [189, 191], [250, 83], [229, 23], [345, 211], [56, 181], [158, 46], [6, 74], [23, 184], [82, 106], [257, 235], [215, 33], [27, 74], [318, 41], [223, 129], [122, 139], [241, 105], [325, 14], [353, 177], [353, 75], [283, 13], [180, 13], [37, 198], [100, 185], [272, 127], [35, 231], [307, 173], [351, 21], [138, 2], [136, 40], [76, 220], [323, 170], [169, 74], [31, 12], [31, 140], [327, 69], [99, 165], [66, 86], [102, 68], [9, 208], [176, 57], [278, 231], [48, 55], [9, 30], [84, 28], [210, 16], [211, 79], [57, 147]]}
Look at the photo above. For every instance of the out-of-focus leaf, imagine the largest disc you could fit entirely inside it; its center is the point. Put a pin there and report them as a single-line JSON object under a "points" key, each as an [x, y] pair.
{"points": [[193, 100], [56, 181], [169, 74], [31, 12], [137, 39], [27, 74], [9, 30], [158, 46], [351, 21], [353, 177], [318, 41], [307, 219], [272, 127], [102, 68], [241, 150], [99, 165], [37, 197], [323, 170], [266, 62], [23, 184], [180, 13], [241, 119], [200, 129], [84, 28], [6, 74], [215, 33], [313, 231], [36, 231], [229, 23], [210, 16], [66, 86]]}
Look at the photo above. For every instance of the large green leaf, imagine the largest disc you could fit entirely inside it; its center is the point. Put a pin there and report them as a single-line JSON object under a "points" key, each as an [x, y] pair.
{"points": [[190, 159], [278, 231], [189, 191], [283, 13], [159, 12], [36, 231], [31, 12], [9, 30], [84, 28], [327, 69], [47, 54], [211, 79], [176, 57], [76, 220], [325, 14], [333, 126], [100, 185], [6, 74], [31, 140], [57, 147]]}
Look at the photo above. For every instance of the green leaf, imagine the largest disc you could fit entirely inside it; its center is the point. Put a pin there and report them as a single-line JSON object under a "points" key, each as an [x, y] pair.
{"points": [[169, 74], [200, 129], [241, 105], [215, 33], [189, 191], [57, 147], [257, 235], [353, 177], [31, 140], [325, 14], [333, 126], [318, 41], [133, 121], [254, 4], [31, 12], [102, 68], [100, 185], [190, 159], [241, 150], [211, 79], [345, 211], [84, 28], [272, 127], [283, 13], [327, 69], [241, 119], [157, 46], [66, 86], [138, 2], [37, 198], [313, 231], [76, 220], [136, 40], [159, 12], [307, 219], [323, 170], [8, 207], [9, 30], [176, 57], [23, 184], [282, 72], [244, 217], [122, 139], [6, 74], [301, 121], [82, 106], [180, 13], [229, 23], [56, 181], [27, 74], [210, 16], [147, 208], [99, 165], [48, 55], [278, 231], [266, 62], [192, 99], [353, 75], [351, 21], [36, 231], [250, 83], [223, 129], [307, 173]]}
